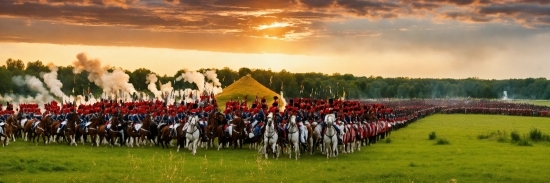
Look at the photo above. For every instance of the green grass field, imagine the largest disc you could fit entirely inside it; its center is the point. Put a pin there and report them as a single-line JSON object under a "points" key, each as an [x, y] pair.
{"points": [[410, 157], [536, 102]]}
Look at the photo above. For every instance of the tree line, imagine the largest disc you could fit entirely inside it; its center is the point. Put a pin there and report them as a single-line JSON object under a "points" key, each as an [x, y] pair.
{"points": [[318, 85]]}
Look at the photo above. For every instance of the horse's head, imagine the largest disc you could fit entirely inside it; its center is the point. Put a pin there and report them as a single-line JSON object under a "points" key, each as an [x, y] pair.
{"points": [[193, 120], [73, 117], [47, 120], [329, 119], [216, 119], [270, 120], [292, 120], [148, 119]]}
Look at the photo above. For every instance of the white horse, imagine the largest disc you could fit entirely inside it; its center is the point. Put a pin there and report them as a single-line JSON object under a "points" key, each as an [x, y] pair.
{"points": [[193, 134], [271, 137], [330, 140], [293, 137]]}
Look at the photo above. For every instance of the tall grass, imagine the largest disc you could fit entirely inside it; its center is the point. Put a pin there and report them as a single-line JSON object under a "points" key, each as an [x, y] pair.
{"points": [[432, 136]]}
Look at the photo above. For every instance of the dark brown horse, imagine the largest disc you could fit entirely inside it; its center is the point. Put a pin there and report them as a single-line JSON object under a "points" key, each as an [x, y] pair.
{"points": [[43, 129], [223, 137], [134, 134], [56, 134], [11, 126], [93, 129], [238, 132], [148, 130], [214, 120], [70, 128], [166, 135], [90, 130], [115, 131]]}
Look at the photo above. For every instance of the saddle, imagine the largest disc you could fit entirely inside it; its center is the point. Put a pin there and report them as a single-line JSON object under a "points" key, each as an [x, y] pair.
{"points": [[34, 125], [107, 127], [137, 126]]}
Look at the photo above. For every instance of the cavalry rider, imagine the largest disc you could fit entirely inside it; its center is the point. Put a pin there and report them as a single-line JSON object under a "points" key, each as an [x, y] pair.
{"points": [[256, 119], [300, 119], [2, 121], [228, 116], [196, 113], [324, 124]]}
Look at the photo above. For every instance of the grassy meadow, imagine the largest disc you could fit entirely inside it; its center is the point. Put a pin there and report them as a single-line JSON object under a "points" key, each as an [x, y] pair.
{"points": [[409, 157], [536, 102]]}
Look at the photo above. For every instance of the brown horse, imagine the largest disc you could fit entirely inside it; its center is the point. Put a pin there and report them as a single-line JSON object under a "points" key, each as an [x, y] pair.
{"points": [[115, 131], [237, 132], [57, 133], [223, 137], [28, 128], [70, 128], [43, 129], [93, 129], [134, 134], [166, 135], [11, 127], [214, 120], [148, 130]]}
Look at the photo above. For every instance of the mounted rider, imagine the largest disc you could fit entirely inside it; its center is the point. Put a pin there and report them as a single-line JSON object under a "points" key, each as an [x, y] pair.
{"points": [[324, 124]]}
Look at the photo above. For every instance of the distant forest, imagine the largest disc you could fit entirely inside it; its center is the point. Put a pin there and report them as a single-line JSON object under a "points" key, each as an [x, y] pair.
{"points": [[316, 85]]}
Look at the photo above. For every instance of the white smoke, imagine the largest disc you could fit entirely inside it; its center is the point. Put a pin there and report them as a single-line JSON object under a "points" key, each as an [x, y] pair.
{"points": [[207, 82], [152, 86], [112, 83], [505, 93], [50, 79], [35, 85], [192, 77], [117, 81]]}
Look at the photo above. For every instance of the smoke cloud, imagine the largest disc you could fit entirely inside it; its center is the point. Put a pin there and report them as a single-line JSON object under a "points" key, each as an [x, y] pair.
{"points": [[35, 85], [111, 82], [207, 82], [50, 79]]}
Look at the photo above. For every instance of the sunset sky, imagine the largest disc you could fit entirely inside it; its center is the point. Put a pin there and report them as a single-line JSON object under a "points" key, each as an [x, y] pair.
{"points": [[488, 39]]}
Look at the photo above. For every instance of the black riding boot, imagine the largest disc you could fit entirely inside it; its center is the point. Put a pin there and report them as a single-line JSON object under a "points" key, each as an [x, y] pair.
{"points": [[204, 137]]}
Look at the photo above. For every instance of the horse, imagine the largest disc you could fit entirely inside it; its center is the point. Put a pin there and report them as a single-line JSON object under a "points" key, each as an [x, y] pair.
{"points": [[28, 127], [148, 130], [223, 137], [192, 134], [93, 128], [214, 120], [57, 133], [293, 137], [271, 138], [310, 137], [349, 138], [11, 127], [4, 128], [115, 130], [330, 140], [165, 135], [237, 132], [17, 127], [70, 128], [42, 129], [316, 137], [82, 133], [133, 134]]}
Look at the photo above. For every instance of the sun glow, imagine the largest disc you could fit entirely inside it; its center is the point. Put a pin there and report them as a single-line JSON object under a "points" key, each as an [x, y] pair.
{"points": [[275, 25]]}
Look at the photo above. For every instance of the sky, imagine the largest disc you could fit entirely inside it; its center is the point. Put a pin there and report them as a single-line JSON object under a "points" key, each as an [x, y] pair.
{"points": [[487, 39]]}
